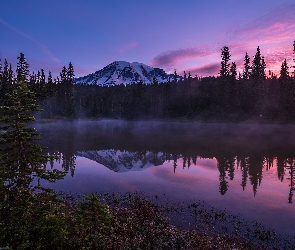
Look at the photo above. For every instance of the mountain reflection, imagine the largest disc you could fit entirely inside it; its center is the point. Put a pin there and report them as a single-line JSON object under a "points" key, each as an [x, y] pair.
{"points": [[130, 146]]}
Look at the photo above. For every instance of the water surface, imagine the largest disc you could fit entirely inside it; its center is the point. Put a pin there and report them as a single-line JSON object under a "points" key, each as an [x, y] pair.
{"points": [[247, 169]]}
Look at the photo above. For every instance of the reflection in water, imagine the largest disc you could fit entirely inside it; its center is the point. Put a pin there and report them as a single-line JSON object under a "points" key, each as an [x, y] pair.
{"points": [[124, 146], [251, 168], [214, 162]]}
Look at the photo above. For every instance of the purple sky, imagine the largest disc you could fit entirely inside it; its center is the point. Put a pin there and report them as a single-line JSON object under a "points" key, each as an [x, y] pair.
{"points": [[170, 34]]}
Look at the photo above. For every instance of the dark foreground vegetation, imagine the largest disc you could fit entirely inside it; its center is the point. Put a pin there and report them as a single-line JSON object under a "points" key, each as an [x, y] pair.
{"points": [[34, 217]]}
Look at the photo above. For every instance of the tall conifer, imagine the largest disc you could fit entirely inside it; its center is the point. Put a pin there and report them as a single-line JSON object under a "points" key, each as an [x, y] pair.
{"points": [[225, 58], [247, 67]]}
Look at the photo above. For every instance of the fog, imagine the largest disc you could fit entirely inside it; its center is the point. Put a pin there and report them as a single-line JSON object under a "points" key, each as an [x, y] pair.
{"points": [[206, 139]]}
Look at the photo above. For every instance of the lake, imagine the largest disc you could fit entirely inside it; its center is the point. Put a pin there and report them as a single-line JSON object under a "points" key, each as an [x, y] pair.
{"points": [[247, 169]]}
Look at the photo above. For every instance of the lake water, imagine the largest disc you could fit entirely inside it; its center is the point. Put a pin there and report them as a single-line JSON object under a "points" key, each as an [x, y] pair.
{"points": [[247, 169]]}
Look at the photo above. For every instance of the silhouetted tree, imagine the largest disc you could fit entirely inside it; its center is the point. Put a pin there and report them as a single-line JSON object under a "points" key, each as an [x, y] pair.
{"points": [[284, 73], [247, 67], [258, 66], [22, 70], [233, 70], [225, 58]]}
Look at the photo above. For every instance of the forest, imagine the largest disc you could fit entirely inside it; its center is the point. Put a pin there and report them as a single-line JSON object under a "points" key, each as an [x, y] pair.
{"points": [[35, 217], [250, 95]]}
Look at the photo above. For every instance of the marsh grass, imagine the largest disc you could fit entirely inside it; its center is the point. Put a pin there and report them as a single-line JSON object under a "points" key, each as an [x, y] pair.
{"points": [[130, 221]]}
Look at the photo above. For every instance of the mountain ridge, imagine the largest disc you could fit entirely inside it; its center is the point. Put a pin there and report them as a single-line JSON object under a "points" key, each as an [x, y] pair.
{"points": [[122, 72]]}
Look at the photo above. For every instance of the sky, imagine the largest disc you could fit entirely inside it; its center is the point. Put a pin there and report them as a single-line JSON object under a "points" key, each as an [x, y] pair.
{"points": [[169, 34]]}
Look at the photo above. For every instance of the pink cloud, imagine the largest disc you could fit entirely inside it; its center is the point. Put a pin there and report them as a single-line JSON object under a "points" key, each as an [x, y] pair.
{"points": [[170, 58], [205, 70], [273, 32], [127, 47]]}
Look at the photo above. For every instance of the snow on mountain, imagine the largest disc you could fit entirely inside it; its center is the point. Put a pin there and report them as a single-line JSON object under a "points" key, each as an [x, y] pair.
{"points": [[122, 161], [121, 72]]}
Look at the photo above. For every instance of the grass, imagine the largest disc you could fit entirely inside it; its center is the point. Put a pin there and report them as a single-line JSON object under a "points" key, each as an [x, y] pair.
{"points": [[131, 221]]}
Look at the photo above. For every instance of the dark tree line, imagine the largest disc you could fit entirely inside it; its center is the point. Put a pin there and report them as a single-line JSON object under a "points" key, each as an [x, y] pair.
{"points": [[250, 95]]}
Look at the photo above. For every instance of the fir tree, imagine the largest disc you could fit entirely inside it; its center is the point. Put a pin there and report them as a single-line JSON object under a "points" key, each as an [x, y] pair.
{"points": [[189, 76], [225, 58], [284, 73], [22, 70], [247, 67], [7, 82], [21, 158], [184, 76], [258, 66], [233, 70], [175, 76]]}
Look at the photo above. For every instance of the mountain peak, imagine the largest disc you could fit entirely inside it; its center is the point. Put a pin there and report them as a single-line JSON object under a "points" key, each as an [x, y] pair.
{"points": [[122, 72]]}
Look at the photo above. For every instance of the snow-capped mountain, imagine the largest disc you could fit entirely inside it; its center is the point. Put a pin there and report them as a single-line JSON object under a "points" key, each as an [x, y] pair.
{"points": [[121, 72], [122, 161]]}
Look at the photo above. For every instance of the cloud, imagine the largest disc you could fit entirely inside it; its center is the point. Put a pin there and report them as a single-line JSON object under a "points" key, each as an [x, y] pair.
{"points": [[206, 70], [275, 26], [273, 32], [127, 47], [170, 58], [41, 45]]}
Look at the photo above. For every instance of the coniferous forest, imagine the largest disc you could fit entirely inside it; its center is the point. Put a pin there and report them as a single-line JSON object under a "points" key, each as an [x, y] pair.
{"points": [[250, 95], [35, 217]]}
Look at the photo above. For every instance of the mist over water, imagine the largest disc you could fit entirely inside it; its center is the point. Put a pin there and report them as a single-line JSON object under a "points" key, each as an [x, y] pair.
{"points": [[242, 167]]}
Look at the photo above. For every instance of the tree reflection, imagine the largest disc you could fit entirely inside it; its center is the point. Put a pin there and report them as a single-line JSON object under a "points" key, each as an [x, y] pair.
{"points": [[291, 168], [255, 172], [226, 169], [244, 165], [120, 151]]}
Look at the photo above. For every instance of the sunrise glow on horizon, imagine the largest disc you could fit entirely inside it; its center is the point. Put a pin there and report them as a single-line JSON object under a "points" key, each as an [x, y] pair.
{"points": [[165, 34]]}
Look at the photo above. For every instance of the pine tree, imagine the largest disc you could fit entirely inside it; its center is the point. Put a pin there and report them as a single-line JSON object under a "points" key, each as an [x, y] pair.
{"points": [[50, 84], [70, 74], [189, 76], [233, 70], [258, 66], [184, 76], [225, 58], [294, 58], [175, 76], [25, 204], [284, 73], [6, 84], [22, 70], [247, 67], [21, 158]]}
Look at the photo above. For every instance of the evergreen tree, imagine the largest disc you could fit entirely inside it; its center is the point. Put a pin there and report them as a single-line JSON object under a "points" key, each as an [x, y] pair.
{"points": [[247, 67], [22, 70], [294, 58], [70, 74], [189, 76], [175, 76], [225, 58], [233, 70], [184, 76], [284, 73], [50, 85], [7, 82], [22, 165], [258, 66], [19, 152]]}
